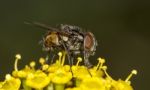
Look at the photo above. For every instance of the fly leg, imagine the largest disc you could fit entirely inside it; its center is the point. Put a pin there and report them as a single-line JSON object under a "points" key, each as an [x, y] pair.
{"points": [[87, 63], [86, 60], [68, 54], [47, 57], [52, 60]]}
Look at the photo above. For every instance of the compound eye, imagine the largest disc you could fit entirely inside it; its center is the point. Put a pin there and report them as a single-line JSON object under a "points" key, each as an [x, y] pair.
{"points": [[89, 42]]}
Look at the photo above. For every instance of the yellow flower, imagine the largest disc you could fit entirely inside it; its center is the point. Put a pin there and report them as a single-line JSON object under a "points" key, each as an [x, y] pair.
{"points": [[93, 83], [59, 63], [121, 85], [23, 73], [60, 76], [76, 88], [18, 57], [96, 70], [1, 84], [80, 72], [45, 66], [52, 68], [10, 83], [37, 80], [96, 73], [66, 68]]}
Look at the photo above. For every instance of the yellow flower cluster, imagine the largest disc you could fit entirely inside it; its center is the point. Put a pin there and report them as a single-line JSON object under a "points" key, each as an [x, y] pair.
{"points": [[58, 76]]}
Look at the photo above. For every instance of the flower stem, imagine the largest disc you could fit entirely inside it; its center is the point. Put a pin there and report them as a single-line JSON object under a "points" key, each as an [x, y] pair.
{"points": [[77, 82], [63, 59], [59, 86], [50, 87], [25, 87]]}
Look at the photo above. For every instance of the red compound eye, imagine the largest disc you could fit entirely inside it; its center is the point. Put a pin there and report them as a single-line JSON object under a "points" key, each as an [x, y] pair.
{"points": [[89, 41]]}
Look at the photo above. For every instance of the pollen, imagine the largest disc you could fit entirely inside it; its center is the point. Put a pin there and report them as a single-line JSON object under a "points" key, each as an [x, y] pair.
{"points": [[45, 67], [102, 61], [79, 59], [41, 61], [60, 57], [8, 76], [32, 64], [18, 56], [104, 68], [133, 72]]}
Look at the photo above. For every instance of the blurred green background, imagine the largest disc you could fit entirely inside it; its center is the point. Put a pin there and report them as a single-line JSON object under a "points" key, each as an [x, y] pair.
{"points": [[120, 26]]}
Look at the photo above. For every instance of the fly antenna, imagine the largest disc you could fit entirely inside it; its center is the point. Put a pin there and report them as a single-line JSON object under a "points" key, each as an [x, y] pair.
{"points": [[41, 25]]}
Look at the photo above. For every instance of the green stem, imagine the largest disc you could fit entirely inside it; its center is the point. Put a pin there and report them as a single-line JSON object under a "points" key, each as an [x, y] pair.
{"points": [[50, 87], [39, 89], [25, 87], [59, 86], [77, 82]]}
